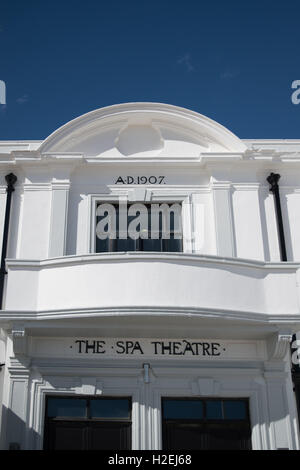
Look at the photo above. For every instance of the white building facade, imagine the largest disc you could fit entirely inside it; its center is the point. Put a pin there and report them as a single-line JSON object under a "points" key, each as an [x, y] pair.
{"points": [[149, 345]]}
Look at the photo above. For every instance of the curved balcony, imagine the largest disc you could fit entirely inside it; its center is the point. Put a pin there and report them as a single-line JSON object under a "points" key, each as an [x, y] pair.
{"points": [[157, 281]]}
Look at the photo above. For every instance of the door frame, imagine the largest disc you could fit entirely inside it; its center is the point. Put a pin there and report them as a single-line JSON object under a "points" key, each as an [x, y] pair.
{"points": [[86, 422], [204, 423], [165, 380]]}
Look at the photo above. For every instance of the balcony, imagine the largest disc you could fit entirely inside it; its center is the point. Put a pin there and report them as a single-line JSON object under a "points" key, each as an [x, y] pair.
{"points": [[152, 282]]}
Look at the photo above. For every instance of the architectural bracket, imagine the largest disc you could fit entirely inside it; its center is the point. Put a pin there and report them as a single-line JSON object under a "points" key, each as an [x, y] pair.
{"points": [[19, 339], [278, 345]]}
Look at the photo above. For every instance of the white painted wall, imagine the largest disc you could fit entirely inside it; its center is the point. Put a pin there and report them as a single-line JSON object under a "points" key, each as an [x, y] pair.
{"points": [[161, 281], [225, 178], [230, 271], [245, 228]]}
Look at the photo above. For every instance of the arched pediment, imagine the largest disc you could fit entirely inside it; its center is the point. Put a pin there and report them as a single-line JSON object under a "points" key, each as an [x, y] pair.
{"points": [[142, 130]]}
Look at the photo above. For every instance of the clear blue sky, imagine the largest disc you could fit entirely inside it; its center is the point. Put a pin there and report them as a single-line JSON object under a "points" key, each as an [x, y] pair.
{"points": [[233, 61]]}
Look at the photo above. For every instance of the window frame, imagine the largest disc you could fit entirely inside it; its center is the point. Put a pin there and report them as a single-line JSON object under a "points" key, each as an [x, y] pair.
{"points": [[151, 197], [138, 243]]}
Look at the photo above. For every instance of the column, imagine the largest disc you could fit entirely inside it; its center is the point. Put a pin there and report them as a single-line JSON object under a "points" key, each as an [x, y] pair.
{"points": [[281, 434]]}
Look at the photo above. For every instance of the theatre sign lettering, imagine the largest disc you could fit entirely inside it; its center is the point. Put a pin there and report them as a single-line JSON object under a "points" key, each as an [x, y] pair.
{"points": [[91, 348], [147, 347]]}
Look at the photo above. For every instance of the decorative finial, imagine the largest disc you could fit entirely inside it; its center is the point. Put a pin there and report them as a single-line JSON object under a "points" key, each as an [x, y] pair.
{"points": [[11, 180], [273, 179]]}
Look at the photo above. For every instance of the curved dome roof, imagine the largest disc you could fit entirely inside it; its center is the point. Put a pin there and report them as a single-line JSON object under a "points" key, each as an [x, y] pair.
{"points": [[143, 130]]}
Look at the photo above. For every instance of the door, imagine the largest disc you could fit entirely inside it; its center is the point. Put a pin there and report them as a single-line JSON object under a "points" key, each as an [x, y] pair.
{"points": [[205, 424], [88, 423]]}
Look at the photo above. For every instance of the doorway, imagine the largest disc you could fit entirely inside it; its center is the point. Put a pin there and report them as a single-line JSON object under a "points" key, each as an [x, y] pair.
{"points": [[205, 424], [86, 423]]}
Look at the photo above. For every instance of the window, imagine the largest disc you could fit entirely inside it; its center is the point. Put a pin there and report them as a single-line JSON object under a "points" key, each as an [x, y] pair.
{"points": [[138, 227]]}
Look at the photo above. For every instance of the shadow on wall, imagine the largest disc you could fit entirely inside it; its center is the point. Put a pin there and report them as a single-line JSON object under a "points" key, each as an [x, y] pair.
{"points": [[14, 433], [262, 208], [286, 224], [72, 227]]}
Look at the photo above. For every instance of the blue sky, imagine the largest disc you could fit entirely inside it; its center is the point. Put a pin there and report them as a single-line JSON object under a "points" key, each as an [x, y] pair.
{"points": [[233, 61]]}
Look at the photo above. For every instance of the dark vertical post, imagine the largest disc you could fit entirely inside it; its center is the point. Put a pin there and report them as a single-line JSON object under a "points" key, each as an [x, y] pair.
{"points": [[273, 179], [295, 372], [11, 180]]}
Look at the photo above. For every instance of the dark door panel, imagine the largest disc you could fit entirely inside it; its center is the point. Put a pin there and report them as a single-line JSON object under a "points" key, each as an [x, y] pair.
{"points": [[110, 436], [67, 436], [184, 436]]}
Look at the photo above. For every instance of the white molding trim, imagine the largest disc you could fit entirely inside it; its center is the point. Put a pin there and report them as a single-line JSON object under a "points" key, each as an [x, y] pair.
{"points": [[284, 319], [255, 393], [292, 266], [60, 382]]}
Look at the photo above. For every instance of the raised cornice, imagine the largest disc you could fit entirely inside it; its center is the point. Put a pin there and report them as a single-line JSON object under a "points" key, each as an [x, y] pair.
{"points": [[204, 159], [272, 322], [127, 256]]}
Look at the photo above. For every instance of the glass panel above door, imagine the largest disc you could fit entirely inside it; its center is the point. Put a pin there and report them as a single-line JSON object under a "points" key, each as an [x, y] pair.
{"points": [[66, 407], [110, 408], [182, 409]]}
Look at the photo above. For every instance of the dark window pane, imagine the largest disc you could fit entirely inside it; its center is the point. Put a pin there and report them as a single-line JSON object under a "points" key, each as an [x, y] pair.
{"points": [[66, 407], [214, 409], [102, 245], [151, 245], [169, 245], [109, 408], [173, 245], [125, 245], [235, 409], [182, 409]]}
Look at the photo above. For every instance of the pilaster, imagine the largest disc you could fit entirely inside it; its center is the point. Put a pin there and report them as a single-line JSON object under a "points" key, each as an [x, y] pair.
{"points": [[59, 215], [16, 412], [222, 199]]}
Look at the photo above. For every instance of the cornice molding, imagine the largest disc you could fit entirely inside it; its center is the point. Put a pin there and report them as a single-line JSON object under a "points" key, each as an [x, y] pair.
{"points": [[63, 185], [142, 256], [248, 157], [285, 320], [27, 187], [220, 185], [255, 186]]}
